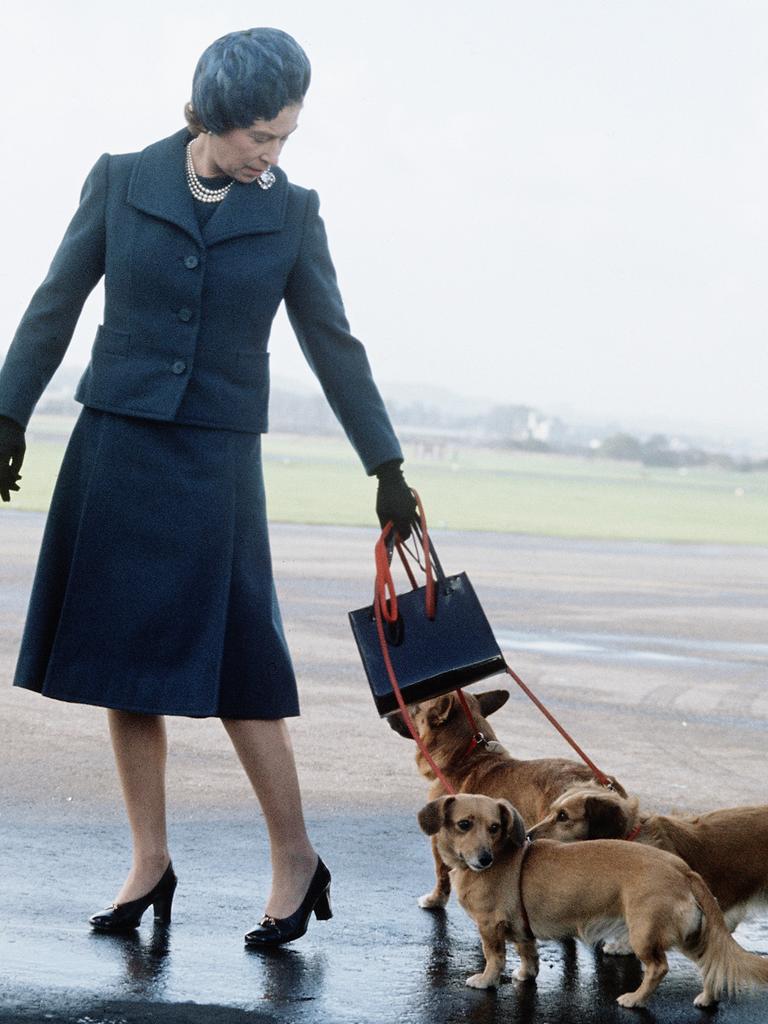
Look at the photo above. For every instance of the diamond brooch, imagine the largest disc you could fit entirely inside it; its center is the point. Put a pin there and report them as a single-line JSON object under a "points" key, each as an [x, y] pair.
{"points": [[266, 179]]}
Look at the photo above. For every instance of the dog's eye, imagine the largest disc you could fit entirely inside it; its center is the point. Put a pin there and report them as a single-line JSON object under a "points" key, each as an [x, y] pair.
{"points": [[465, 824], [561, 816], [494, 828]]}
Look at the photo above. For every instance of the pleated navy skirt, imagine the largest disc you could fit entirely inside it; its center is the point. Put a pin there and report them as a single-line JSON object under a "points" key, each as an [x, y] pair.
{"points": [[154, 589]]}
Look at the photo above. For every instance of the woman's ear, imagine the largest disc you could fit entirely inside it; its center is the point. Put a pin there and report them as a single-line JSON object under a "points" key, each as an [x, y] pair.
{"points": [[512, 824], [435, 814]]}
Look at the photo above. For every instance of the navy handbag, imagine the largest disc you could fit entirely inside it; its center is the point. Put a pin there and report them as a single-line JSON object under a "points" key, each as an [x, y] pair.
{"points": [[437, 637]]}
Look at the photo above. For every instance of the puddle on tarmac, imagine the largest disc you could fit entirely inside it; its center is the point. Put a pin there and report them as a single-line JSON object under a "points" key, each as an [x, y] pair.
{"points": [[627, 648]]}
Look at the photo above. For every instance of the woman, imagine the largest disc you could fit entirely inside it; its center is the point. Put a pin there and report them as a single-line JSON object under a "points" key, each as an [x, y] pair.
{"points": [[154, 593]]}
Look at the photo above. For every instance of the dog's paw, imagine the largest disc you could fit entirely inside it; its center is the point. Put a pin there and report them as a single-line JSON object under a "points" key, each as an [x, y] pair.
{"points": [[526, 973], [432, 901], [618, 949], [480, 981], [704, 999], [630, 1000]]}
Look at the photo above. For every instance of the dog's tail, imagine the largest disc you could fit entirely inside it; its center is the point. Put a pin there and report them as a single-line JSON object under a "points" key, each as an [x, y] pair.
{"points": [[725, 966]]}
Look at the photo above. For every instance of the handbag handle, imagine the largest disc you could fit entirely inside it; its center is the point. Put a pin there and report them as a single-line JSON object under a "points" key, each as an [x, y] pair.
{"points": [[385, 595]]}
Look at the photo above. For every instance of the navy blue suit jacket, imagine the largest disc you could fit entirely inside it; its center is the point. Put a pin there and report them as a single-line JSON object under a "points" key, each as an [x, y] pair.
{"points": [[188, 311]]}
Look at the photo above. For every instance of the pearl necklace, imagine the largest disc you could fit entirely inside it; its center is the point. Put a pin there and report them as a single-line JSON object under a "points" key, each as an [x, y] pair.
{"points": [[196, 187], [214, 195]]}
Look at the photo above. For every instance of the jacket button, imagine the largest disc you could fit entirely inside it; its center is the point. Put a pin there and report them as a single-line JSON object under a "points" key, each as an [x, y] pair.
{"points": [[190, 262], [185, 314], [179, 366]]}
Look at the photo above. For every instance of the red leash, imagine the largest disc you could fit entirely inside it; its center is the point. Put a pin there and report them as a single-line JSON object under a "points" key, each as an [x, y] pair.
{"points": [[385, 608], [402, 705], [601, 777]]}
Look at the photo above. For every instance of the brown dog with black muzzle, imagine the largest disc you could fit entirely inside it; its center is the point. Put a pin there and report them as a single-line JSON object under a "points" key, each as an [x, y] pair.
{"points": [[524, 891], [728, 847], [484, 767]]}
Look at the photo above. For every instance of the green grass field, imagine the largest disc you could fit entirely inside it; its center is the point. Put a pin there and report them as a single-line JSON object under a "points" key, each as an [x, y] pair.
{"points": [[319, 480]]}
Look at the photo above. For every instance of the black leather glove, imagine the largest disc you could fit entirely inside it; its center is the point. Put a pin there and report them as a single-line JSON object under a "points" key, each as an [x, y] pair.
{"points": [[12, 448], [394, 498]]}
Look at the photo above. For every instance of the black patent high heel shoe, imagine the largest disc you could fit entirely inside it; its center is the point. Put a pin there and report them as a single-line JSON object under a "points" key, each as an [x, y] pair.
{"points": [[274, 931], [122, 917]]}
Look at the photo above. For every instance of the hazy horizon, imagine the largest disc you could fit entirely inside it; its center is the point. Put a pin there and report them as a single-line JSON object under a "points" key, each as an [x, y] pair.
{"points": [[560, 205], [443, 399]]}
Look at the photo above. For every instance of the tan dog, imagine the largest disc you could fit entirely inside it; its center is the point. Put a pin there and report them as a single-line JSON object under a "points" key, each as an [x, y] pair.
{"points": [[487, 768], [585, 890], [728, 848]]}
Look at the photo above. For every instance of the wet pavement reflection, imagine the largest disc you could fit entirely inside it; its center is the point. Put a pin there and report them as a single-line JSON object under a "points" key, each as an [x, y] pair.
{"points": [[142, 956], [380, 958], [653, 656]]}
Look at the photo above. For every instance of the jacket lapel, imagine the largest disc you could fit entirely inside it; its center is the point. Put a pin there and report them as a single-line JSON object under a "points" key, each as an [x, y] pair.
{"points": [[158, 186], [249, 210]]}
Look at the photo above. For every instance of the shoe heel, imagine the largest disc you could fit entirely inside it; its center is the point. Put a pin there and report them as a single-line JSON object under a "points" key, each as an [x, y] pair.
{"points": [[127, 916], [164, 902], [322, 908], [163, 910]]}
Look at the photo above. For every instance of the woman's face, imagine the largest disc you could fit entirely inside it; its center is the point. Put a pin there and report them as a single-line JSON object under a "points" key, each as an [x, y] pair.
{"points": [[243, 153]]}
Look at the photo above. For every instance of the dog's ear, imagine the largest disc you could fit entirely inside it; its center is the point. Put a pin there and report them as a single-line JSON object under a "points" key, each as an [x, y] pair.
{"points": [[491, 701], [512, 824], [441, 709], [606, 818], [435, 814], [396, 722]]}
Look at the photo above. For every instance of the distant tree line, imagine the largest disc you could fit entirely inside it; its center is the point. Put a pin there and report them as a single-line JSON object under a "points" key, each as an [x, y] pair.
{"points": [[437, 426], [658, 451], [519, 427]]}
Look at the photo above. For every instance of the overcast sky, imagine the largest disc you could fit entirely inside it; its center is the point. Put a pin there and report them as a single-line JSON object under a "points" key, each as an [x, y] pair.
{"points": [[561, 204]]}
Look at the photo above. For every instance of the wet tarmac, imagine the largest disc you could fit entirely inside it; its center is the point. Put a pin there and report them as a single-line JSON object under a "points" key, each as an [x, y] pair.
{"points": [[380, 958], [688, 731]]}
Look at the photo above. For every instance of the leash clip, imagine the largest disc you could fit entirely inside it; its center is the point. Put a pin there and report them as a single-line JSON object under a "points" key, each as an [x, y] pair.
{"points": [[478, 740]]}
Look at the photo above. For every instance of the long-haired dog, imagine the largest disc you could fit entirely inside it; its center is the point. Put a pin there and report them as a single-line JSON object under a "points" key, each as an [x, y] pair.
{"points": [[485, 768], [524, 891], [728, 848]]}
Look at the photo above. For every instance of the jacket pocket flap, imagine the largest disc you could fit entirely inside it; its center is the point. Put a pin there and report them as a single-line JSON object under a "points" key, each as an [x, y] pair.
{"points": [[109, 340]]}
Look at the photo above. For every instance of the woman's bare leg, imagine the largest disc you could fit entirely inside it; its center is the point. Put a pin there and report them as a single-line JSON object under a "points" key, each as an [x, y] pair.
{"points": [[265, 751], [140, 747]]}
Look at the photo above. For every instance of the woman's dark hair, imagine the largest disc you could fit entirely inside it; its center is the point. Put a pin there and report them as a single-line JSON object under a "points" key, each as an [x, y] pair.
{"points": [[245, 77]]}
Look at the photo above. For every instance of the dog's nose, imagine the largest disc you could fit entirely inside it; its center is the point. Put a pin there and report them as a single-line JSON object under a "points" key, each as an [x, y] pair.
{"points": [[485, 859]]}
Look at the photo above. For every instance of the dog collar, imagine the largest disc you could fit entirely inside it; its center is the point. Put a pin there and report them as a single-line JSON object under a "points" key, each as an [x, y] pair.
{"points": [[630, 837], [478, 740]]}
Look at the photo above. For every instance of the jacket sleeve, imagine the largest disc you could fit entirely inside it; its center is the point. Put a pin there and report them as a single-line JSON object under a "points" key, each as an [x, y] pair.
{"points": [[338, 360], [47, 327]]}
